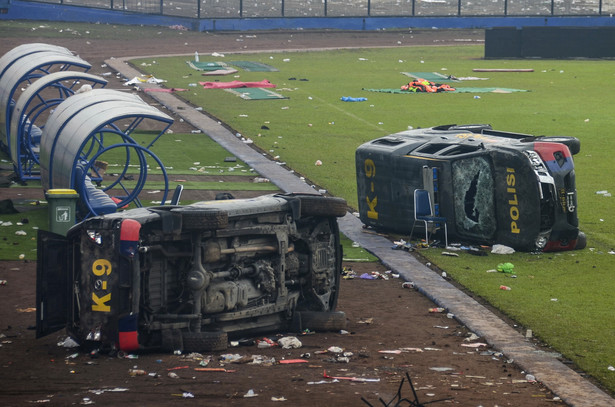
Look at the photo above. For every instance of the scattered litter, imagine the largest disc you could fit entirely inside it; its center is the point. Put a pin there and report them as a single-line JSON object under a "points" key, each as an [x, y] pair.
{"points": [[450, 254], [352, 379], [292, 361], [178, 368], [289, 342], [262, 360], [101, 391], [265, 343], [273, 398], [173, 375], [502, 249], [472, 337], [231, 358], [318, 163], [437, 310], [441, 369], [407, 284], [68, 343], [505, 288], [505, 268], [419, 350], [473, 345], [324, 382], [213, 369], [250, 393], [137, 372]]}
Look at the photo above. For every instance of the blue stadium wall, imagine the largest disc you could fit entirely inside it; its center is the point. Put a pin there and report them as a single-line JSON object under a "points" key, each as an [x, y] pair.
{"points": [[21, 10]]}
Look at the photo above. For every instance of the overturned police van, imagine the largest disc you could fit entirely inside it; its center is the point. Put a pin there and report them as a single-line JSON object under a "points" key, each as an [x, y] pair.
{"points": [[191, 277], [490, 186]]}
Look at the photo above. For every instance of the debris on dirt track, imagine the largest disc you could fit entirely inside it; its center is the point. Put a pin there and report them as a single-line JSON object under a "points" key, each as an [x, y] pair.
{"points": [[368, 361]]}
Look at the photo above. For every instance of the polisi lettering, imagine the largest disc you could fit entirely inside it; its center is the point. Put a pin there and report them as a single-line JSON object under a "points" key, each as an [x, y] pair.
{"points": [[513, 200], [370, 172]]}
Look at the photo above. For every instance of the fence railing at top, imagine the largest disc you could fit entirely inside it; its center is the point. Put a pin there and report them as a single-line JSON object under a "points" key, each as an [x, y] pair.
{"points": [[220, 9]]}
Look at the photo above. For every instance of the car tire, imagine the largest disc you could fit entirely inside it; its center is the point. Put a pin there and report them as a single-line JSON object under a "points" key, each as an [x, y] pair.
{"points": [[171, 340], [573, 143], [323, 320], [316, 205], [194, 218], [205, 341]]}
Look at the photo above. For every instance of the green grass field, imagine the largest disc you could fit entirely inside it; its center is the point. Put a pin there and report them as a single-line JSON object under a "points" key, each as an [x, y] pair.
{"points": [[565, 298]]}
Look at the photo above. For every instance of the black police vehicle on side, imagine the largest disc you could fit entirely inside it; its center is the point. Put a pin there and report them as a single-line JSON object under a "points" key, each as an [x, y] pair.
{"points": [[191, 277], [491, 186]]}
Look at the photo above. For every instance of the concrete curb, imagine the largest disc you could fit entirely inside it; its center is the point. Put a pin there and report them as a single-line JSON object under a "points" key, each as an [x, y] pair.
{"points": [[570, 386]]}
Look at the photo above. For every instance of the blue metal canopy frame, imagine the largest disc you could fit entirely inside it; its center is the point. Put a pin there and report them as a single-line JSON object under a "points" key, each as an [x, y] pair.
{"points": [[26, 70], [29, 115]]}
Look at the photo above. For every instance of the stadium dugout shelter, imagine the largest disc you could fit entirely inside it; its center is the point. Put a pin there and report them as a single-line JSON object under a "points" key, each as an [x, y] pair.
{"points": [[91, 132]]}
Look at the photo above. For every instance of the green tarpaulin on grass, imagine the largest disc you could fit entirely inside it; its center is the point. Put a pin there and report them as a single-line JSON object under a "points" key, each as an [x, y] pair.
{"points": [[253, 66], [255, 93], [430, 76], [207, 66], [457, 90]]}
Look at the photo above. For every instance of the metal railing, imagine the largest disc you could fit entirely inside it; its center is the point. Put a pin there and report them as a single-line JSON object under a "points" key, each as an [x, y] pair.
{"points": [[220, 9]]}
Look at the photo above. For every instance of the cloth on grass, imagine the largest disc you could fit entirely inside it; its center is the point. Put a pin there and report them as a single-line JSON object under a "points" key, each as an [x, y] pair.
{"points": [[255, 93], [206, 66], [431, 76], [220, 72], [237, 84], [254, 66], [457, 90], [352, 99]]}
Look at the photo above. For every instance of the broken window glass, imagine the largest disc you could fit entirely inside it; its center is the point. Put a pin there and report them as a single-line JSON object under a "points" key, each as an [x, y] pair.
{"points": [[473, 196]]}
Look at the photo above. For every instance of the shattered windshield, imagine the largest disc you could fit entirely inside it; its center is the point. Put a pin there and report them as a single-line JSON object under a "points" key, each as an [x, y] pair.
{"points": [[473, 194]]}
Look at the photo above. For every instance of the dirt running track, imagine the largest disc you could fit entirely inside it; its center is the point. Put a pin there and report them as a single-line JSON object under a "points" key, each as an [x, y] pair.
{"points": [[391, 332]]}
